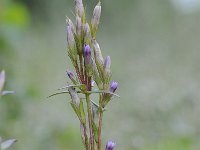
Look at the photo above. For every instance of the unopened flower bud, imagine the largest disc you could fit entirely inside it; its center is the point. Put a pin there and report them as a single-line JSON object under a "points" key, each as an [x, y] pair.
{"points": [[107, 64], [113, 86], [70, 23], [87, 33], [74, 96], [79, 8], [72, 76], [97, 52], [87, 54], [70, 38], [110, 145], [96, 17], [2, 80], [78, 26], [86, 28]]}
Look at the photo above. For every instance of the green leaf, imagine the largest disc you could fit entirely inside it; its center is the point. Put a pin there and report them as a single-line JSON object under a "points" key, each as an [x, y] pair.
{"points": [[68, 86], [82, 112], [58, 93], [76, 110], [96, 132], [102, 91]]}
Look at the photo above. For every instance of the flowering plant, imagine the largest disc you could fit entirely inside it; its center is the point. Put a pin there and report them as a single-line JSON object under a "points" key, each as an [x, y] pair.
{"points": [[92, 75]]}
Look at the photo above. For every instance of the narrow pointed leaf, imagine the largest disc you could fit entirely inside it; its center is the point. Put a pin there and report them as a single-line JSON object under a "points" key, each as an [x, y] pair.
{"points": [[95, 130], [102, 91], [82, 112], [76, 110], [58, 93], [66, 87]]}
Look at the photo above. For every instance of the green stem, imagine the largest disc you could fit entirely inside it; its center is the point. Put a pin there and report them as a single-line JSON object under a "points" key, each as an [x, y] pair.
{"points": [[99, 130], [90, 120], [86, 138]]}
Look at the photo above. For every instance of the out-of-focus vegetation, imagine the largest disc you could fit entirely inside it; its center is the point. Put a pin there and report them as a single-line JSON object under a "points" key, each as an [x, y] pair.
{"points": [[155, 57]]}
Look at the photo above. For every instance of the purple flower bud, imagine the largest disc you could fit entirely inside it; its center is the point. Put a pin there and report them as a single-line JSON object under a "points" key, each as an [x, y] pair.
{"points": [[79, 8], [70, 38], [86, 28], [70, 75], [87, 54], [96, 16], [107, 63], [78, 26], [70, 23], [2, 80], [87, 33], [110, 145], [97, 53], [113, 86]]}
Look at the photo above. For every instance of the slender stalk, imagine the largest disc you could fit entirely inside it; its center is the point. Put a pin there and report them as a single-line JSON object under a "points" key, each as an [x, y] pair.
{"points": [[86, 138], [90, 120], [81, 68], [99, 130]]}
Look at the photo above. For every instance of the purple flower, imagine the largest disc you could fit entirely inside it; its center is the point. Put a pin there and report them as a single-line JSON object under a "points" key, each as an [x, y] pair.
{"points": [[87, 54], [110, 145], [113, 86]]}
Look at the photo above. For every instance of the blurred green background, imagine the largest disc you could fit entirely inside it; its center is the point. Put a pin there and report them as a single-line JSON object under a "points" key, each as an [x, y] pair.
{"points": [[154, 46]]}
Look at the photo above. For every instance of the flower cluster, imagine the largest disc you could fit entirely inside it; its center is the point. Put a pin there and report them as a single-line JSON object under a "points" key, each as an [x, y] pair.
{"points": [[89, 67]]}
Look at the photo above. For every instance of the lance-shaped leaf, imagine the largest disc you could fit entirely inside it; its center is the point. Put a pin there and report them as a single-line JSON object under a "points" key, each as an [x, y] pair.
{"points": [[82, 113], [82, 87], [96, 131], [57, 93], [103, 92], [82, 133], [79, 112]]}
